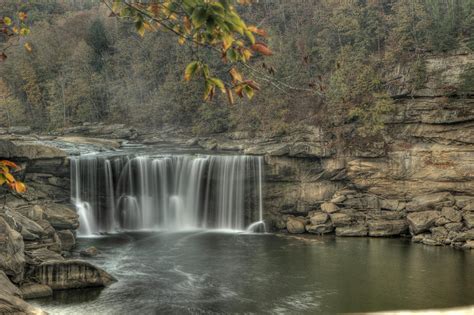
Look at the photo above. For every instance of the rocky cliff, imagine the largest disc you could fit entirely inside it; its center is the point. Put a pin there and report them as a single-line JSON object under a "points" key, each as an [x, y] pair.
{"points": [[37, 230]]}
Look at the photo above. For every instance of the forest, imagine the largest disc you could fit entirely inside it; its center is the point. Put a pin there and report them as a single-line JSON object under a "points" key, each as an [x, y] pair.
{"points": [[329, 65]]}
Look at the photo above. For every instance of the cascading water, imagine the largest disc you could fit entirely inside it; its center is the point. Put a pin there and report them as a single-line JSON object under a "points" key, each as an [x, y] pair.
{"points": [[172, 192]]}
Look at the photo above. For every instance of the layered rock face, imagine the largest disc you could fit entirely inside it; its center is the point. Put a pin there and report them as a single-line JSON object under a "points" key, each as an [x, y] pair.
{"points": [[418, 180], [37, 229]]}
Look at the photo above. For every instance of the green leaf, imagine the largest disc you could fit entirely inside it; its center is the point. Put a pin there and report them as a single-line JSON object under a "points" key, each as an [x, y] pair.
{"points": [[139, 25], [217, 82], [249, 92], [250, 36], [232, 55], [199, 16], [117, 5], [205, 71]]}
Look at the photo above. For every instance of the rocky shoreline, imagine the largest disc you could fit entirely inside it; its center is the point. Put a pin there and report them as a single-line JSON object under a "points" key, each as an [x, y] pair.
{"points": [[38, 232]]}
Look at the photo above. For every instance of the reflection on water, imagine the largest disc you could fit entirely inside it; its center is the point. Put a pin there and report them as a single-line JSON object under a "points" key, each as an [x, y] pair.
{"points": [[203, 272]]}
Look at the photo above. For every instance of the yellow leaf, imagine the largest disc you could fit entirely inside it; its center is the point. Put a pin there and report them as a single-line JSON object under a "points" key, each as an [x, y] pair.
{"points": [[227, 42], [19, 187], [24, 31], [148, 27], [7, 21], [9, 177], [28, 47], [235, 75], [246, 54], [22, 16]]}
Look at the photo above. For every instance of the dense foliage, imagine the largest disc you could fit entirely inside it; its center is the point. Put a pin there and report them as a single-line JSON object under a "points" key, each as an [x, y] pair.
{"points": [[328, 57]]}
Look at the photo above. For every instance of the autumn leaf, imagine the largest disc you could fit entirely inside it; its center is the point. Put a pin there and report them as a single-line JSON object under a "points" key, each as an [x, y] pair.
{"points": [[230, 96], [22, 16], [9, 163], [19, 187], [252, 84], [261, 48], [257, 31]]}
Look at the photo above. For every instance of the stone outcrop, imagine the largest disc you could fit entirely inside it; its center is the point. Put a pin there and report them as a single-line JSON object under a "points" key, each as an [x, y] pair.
{"points": [[71, 274], [11, 299], [61, 216], [37, 230], [12, 257], [295, 225], [422, 221]]}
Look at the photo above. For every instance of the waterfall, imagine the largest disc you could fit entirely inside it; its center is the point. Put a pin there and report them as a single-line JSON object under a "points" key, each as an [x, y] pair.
{"points": [[170, 192]]}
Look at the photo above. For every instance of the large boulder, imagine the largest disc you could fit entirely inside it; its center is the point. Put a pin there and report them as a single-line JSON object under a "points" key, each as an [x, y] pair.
{"points": [[340, 219], [29, 151], [384, 228], [68, 241], [329, 207], [431, 201], [465, 202], [41, 255], [34, 212], [71, 274], [324, 228], [422, 221], [469, 219], [12, 257], [61, 216], [11, 299], [295, 225], [35, 290], [464, 236], [317, 218], [30, 230], [451, 214]]}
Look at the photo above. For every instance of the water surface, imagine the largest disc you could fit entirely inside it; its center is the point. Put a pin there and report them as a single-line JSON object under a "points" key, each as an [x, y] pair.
{"points": [[210, 272]]}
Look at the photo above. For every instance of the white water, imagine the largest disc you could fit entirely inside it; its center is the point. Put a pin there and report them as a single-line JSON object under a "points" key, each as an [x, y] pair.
{"points": [[172, 192]]}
